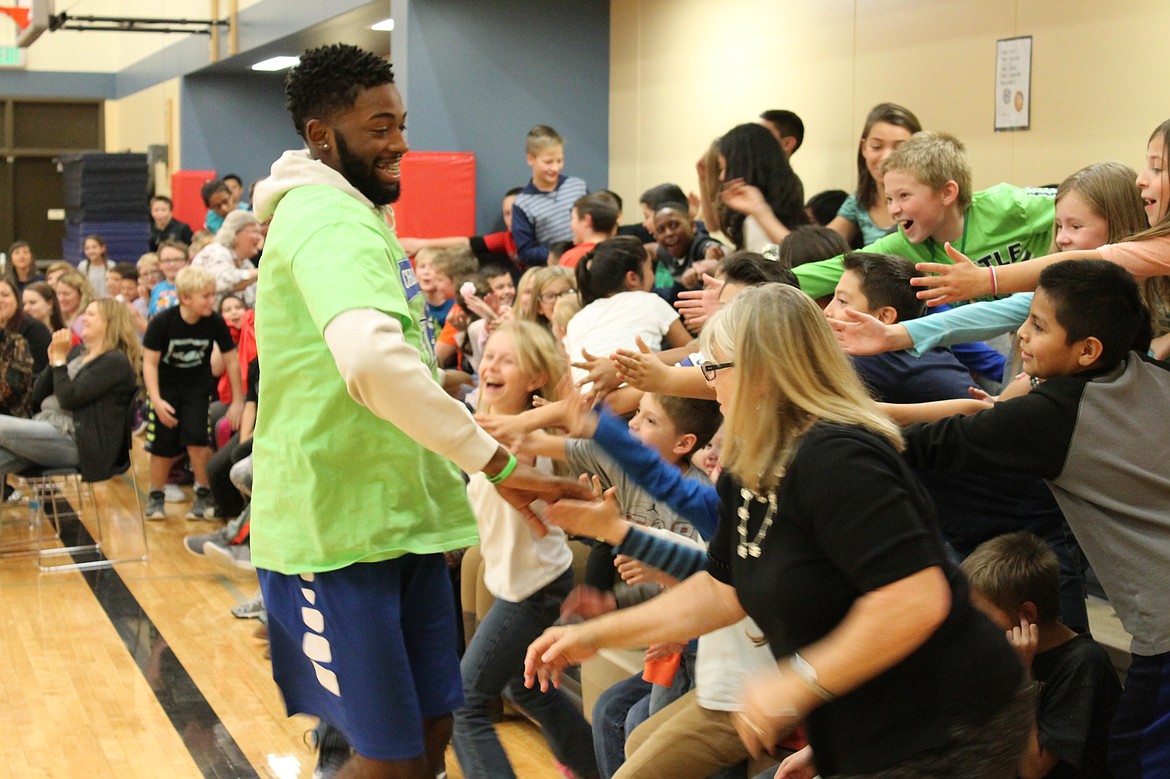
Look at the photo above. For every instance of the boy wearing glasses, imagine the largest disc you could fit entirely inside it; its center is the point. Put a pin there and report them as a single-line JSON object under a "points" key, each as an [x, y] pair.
{"points": [[172, 258]]}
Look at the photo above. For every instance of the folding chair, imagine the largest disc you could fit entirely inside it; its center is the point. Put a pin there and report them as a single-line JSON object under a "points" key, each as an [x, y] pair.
{"points": [[41, 483]]}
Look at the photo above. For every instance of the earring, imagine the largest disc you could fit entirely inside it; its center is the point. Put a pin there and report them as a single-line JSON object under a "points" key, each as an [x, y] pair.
{"points": [[325, 147]]}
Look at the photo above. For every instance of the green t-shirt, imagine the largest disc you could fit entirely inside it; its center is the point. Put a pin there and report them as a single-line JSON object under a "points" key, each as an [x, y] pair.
{"points": [[1004, 224], [335, 484]]}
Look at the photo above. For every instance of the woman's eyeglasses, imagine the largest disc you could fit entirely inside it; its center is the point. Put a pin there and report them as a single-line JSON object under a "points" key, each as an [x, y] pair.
{"points": [[711, 368], [553, 297]]}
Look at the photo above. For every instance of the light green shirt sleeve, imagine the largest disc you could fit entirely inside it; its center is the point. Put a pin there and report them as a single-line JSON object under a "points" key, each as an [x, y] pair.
{"points": [[818, 279]]}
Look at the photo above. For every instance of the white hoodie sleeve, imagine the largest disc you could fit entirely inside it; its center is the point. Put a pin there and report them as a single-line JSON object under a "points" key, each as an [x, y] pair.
{"points": [[384, 374]]}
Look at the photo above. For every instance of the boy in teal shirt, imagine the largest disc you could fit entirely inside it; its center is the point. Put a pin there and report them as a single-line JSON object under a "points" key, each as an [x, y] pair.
{"points": [[928, 188]]}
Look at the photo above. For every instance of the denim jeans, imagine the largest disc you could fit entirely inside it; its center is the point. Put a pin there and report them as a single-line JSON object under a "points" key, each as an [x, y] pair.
{"points": [[493, 662], [26, 441], [628, 704]]}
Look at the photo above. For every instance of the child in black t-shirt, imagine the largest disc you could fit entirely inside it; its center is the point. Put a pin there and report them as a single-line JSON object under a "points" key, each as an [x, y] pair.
{"points": [[179, 382], [1015, 582]]}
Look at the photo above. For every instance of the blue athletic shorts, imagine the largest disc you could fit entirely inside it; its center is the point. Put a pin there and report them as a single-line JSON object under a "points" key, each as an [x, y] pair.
{"points": [[370, 649]]}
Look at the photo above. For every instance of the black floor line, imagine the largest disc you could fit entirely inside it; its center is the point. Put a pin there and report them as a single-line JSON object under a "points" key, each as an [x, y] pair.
{"points": [[212, 747]]}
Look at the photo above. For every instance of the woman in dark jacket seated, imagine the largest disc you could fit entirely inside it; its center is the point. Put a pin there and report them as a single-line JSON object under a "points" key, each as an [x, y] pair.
{"points": [[82, 399]]}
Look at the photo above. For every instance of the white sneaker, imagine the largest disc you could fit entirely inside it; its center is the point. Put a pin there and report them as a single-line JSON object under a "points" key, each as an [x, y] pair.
{"points": [[175, 494]]}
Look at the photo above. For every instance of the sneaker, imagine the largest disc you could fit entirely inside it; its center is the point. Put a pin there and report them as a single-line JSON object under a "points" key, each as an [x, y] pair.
{"points": [[198, 545], [249, 609], [175, 494], [332, 750], [203, 507], [234, 557], [156, 505]]}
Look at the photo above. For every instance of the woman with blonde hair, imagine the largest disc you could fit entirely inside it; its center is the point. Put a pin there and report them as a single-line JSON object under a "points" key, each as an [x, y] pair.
{"points": [[881, 654], [74, 295], [82, 399]]}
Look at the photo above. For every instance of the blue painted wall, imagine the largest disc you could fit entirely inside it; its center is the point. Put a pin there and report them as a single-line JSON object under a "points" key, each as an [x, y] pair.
{"points": [[234, 123], [482, 74]]}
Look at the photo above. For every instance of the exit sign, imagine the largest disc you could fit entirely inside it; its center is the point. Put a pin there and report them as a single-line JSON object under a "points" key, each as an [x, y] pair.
{"points": [[11, 56]]}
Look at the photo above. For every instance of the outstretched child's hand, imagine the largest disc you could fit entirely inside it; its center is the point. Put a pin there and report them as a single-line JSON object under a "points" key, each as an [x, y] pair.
{"points": [[1024, 638], [509, 429], [641, 369], [697, 306], [585, 602], [742, 197], [951, 283], [637, 572], [602, 378], [593, 519], [165, 412], [860, 333], [580, 418]]}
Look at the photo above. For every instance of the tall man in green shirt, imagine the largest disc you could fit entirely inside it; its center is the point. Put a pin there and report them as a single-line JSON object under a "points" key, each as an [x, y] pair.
{"points": [[357, 490]]}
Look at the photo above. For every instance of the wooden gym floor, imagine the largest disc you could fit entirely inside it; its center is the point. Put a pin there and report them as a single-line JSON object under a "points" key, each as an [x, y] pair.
{"points": [[142, 671]]}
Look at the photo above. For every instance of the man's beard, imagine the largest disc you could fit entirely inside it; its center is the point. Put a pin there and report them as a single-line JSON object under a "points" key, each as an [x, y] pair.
{"points": [[362, 176]]}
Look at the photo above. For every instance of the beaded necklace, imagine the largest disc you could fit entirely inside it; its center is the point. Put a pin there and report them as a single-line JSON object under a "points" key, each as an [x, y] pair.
{"points": [[745, 547]]}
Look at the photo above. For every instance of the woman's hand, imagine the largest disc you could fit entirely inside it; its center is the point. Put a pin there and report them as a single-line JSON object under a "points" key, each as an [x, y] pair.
{"points": [[798, 765], [60, 345], [697, 306], [641, 369], [952, 283], [769, 702], [555, 650]]}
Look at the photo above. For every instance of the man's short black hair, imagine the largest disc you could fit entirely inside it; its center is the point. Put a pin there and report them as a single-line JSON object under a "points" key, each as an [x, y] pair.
{"points": [[788, 123], [1100, 299], [329, 79], [885, 281], [233, 177]]}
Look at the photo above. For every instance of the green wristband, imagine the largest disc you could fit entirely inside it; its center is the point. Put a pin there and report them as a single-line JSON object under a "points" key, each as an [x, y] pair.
{"points": [[506, 472]]}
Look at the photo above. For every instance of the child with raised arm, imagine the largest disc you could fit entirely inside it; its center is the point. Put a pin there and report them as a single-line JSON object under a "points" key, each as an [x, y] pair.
{"points": [[928, 190], [1146, 255], [1093, 427], [540, 214], [1097, 205], [1015, 582], [614, 282], [528, 575]]}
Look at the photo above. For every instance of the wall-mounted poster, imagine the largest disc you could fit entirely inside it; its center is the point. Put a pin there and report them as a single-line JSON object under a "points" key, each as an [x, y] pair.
{"points": [[1013, 83]]}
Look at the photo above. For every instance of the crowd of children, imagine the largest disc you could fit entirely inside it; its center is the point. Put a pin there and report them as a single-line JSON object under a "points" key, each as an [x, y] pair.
{"points": [[1042, 461], [1010, 470]]}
